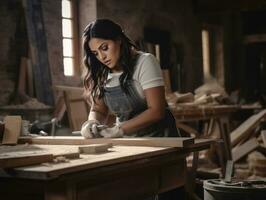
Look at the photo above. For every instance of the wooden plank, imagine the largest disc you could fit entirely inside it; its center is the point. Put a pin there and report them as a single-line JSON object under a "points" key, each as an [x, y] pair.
{"points": [[245, 128], [187, 128], [76, 105], [77, 109], [19, 159], [12, 129], [240, 151], [24, 155], [94, 148], [76, 140], [157, 142], [191, 113], [38, 50], [201, 142]]}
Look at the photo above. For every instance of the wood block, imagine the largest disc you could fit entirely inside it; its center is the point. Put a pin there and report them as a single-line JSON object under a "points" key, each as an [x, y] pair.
{"points": [[18, 159], [94, 148], [23, 155], [245, 128], [243, 149], [12, 129]]}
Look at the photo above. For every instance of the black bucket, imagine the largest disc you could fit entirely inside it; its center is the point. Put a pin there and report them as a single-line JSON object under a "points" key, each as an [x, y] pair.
{"points": [[236, 190]]}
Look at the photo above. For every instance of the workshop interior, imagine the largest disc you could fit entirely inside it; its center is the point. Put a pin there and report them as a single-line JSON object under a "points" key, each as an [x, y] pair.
{"points": [[211, 59]]}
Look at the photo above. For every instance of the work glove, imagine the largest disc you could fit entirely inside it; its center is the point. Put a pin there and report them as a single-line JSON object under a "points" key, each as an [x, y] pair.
{"points": [[89, 129], [113, 132]]}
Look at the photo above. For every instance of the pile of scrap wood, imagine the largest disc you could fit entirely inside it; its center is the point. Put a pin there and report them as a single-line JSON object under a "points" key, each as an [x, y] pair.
{"points": [[248, 143], [211, 93]]}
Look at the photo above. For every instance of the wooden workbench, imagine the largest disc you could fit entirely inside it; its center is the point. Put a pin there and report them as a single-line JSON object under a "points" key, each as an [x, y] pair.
{"points": [[124, 172], [203, 112], [208, 116]]}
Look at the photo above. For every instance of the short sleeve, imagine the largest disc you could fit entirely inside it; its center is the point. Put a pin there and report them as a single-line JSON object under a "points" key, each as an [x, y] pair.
{"points": [[148, 72]]}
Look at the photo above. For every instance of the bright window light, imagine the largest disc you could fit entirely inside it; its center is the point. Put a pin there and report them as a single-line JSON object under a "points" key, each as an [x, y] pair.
{"points": [[67, 28], [66, 9], [67, 35], [206, 54], [67, 48], [68, 66]]}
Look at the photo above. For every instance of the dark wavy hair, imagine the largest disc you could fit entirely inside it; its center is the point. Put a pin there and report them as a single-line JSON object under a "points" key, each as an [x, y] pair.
{"points": [[97, 72]]}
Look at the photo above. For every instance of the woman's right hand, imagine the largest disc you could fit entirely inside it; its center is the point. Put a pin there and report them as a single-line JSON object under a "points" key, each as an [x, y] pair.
{"points": [[89, 129]]}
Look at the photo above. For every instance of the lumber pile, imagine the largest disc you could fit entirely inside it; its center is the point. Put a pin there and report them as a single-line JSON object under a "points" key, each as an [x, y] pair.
{"points": [[211, 93], [249, 147]]}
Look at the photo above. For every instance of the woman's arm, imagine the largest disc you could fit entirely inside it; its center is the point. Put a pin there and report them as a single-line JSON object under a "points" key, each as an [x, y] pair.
{"points": [[156, 109], [98, 111]]}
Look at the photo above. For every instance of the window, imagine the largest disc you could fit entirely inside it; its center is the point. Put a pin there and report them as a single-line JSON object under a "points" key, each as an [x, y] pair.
{"points": [[213, 53], [206, 53], [70, 53]]}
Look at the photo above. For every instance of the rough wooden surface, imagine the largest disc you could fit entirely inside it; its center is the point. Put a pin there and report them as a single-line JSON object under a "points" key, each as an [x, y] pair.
{"points": [[116, 154]]}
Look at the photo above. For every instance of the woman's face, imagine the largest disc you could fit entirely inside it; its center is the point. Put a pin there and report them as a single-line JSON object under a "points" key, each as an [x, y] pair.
{"points": [[107, 52]]}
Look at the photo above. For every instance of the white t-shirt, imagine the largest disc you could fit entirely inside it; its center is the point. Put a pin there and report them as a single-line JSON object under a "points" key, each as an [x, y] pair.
{"points": [[147, 74]]}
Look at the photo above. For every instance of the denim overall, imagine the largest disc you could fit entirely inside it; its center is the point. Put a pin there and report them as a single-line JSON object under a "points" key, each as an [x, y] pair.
{"points": [[126, 106]]}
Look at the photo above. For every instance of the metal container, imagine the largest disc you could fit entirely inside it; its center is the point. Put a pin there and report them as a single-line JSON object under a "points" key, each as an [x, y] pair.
{"points": [[218, 189]]}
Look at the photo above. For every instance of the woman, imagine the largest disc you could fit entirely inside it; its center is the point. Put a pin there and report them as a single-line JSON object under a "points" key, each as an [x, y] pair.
{"points": [[125, 82]]}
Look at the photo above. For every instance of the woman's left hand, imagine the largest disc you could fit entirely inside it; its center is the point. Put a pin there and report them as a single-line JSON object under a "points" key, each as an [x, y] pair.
{"points": [[114, 132]]}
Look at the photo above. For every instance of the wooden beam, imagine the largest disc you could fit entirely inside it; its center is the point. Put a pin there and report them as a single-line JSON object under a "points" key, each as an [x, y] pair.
{"points": [[38, 48], [10, 160], [245, 128], [24, 155], [243, 149]]}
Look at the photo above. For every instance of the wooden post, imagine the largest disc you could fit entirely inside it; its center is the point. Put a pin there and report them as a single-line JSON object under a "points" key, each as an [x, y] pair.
{"points": [[38, 50]]}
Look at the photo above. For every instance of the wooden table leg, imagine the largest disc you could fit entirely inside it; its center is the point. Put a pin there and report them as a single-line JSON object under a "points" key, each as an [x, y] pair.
{"points": [[60, 191], [191, 178]]}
